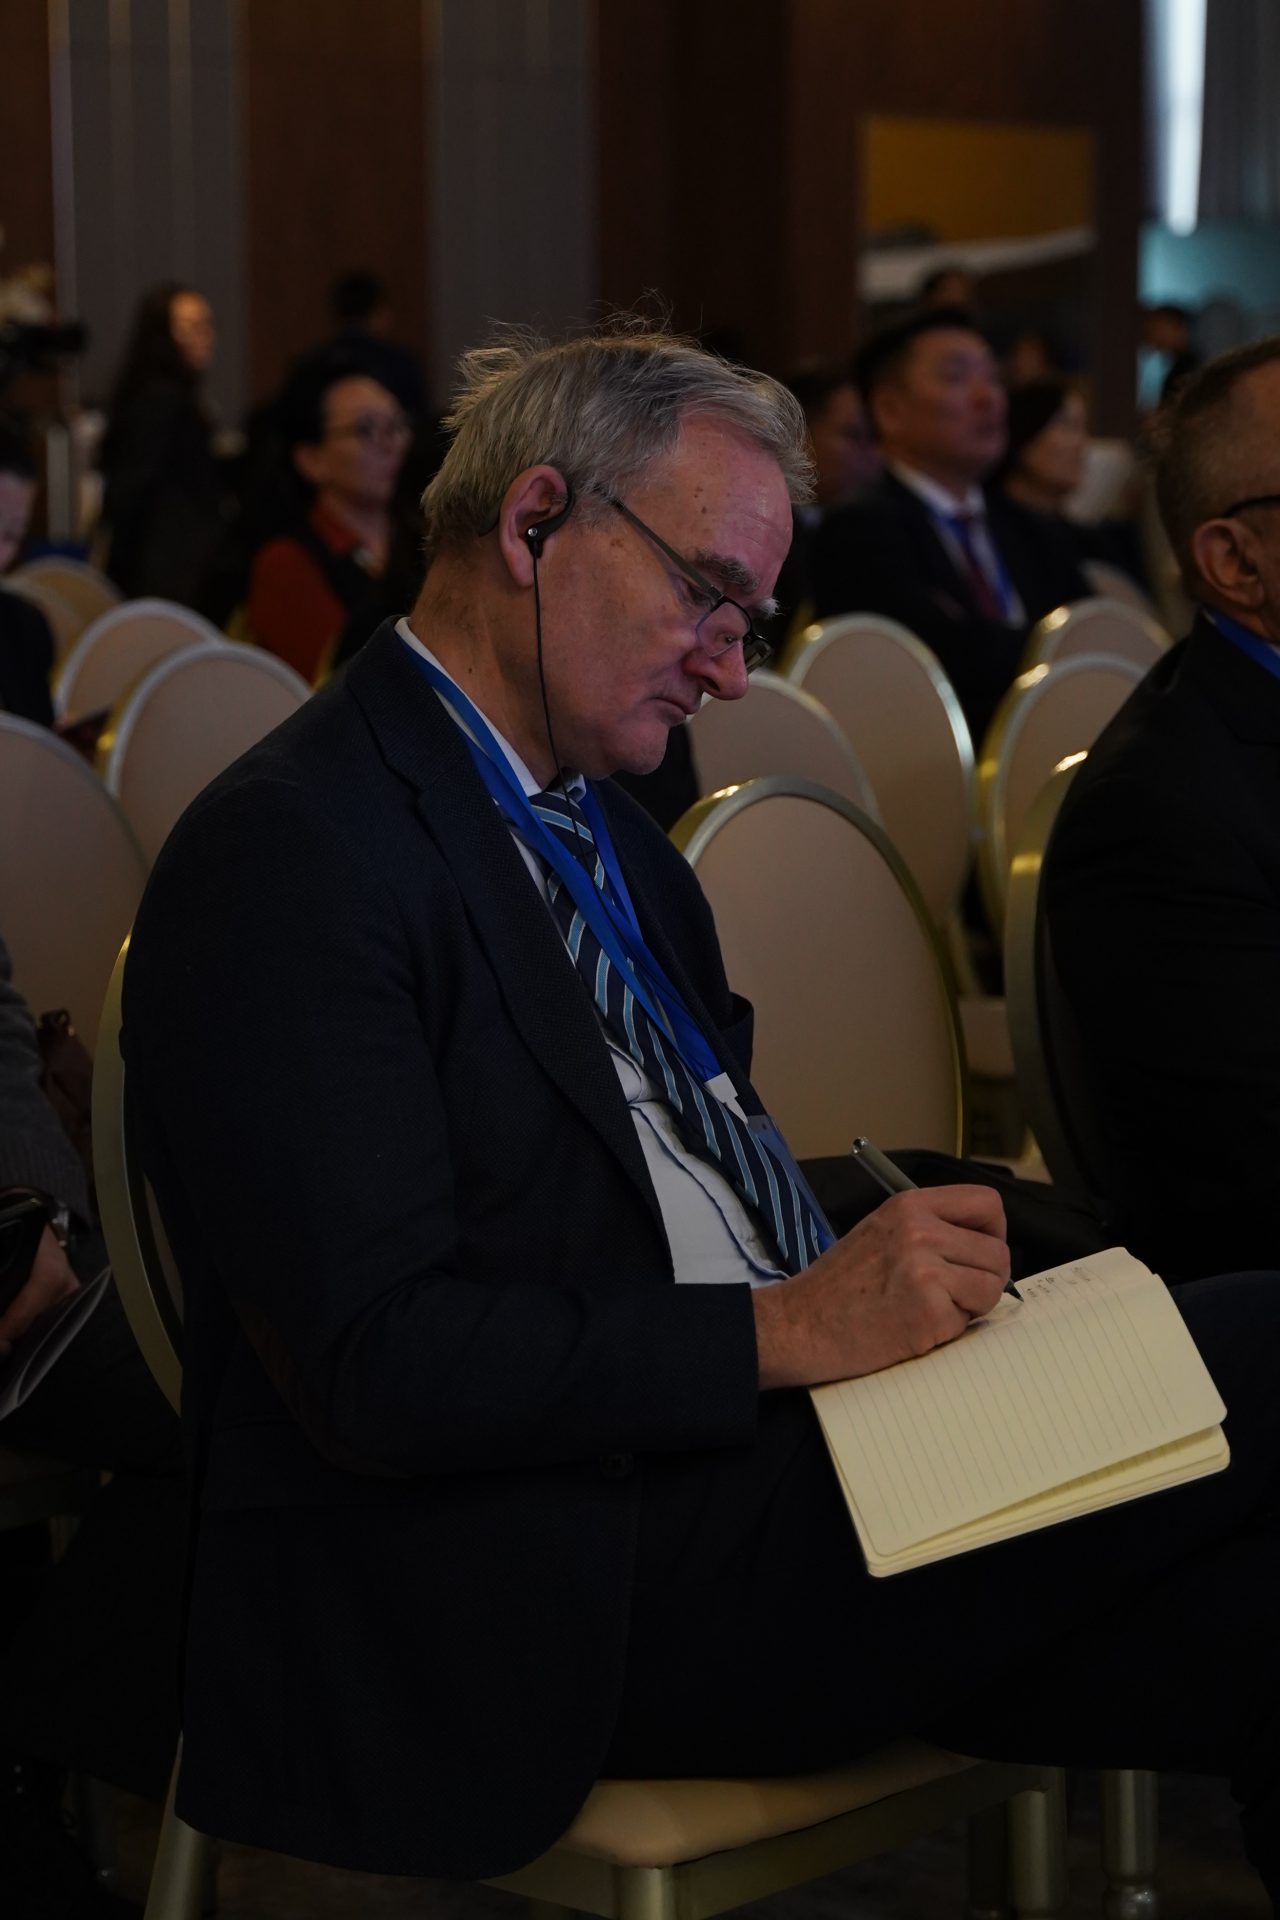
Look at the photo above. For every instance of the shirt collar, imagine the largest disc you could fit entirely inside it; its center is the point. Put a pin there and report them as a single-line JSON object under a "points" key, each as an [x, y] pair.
{"points": [[575, 785], [938, 500]]}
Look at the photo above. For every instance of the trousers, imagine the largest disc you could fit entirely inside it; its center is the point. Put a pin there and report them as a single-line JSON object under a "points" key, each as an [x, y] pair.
{"points": [[1147, 1635]]}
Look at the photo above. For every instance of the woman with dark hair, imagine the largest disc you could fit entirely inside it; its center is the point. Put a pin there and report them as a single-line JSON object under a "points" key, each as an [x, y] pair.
{"points": [[26, 644], [348, 559], [1044, 462], [163, 503]]}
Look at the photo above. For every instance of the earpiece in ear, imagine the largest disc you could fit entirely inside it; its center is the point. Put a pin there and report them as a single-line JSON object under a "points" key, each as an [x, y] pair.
{"points": [[536, 535]]}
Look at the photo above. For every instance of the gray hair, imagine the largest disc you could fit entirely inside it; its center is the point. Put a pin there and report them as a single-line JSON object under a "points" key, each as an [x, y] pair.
{"points": [[602, 407]]}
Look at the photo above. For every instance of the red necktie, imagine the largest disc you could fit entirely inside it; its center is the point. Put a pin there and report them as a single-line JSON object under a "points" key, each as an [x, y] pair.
{"points": [[986, 598]]}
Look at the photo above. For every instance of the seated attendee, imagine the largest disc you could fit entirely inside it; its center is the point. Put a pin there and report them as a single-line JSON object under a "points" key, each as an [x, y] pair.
{"points": [[846, 460], [26, 644], [1044, 464], [165, 501], [348, 437], [968, 575], [1163, 882], [949, 285], [88, 1659], [502, 1299]]}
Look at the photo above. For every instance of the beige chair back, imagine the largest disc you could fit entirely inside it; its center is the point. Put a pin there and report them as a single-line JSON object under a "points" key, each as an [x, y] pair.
{"points": [[824, 930], [1113, 583], [71, 874], [145, 1271], [895, 706], [83, 588], [775, 729], [188, 717], [1111, 627], [117, 650], [64, 623], [1047, 714]]}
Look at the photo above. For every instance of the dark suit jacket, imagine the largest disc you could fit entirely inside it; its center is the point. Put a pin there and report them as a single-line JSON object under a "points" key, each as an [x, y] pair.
{"points": [[433, 1331], [882, 554], [1163, 894]]}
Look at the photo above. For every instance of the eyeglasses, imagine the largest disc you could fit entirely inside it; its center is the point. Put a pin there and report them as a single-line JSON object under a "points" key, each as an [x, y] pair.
{"points": [[706, 601], [1241, 506], [375, 430]]}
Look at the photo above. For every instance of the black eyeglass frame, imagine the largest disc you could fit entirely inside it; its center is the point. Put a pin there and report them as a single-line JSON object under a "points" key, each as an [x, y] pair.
{"points": [[1242, 506], [756, 650]]}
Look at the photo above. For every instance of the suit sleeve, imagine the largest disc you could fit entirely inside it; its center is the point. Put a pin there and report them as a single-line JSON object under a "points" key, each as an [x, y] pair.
{"points": [[283, 1040], [1166, 936]]}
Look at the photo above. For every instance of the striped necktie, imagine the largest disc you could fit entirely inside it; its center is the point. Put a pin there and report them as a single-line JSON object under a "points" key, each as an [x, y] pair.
{"points": [[706, 1125]]}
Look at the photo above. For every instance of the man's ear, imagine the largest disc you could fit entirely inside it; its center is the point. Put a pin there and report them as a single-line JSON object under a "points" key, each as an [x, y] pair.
{"points": [[1223, 552], [534, 497]]}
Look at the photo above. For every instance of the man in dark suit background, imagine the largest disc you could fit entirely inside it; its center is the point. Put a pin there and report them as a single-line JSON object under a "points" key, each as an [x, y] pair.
{"points": [[497, 1350], [968, 574], [1163, 883]]}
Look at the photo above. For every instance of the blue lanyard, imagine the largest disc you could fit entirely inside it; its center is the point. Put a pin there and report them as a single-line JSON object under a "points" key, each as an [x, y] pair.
{"points": [[1248, 642], [615, 924]]}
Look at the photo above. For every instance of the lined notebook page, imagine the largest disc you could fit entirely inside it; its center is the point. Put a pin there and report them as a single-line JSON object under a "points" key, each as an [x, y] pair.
{"points": [[1094, 1367]]}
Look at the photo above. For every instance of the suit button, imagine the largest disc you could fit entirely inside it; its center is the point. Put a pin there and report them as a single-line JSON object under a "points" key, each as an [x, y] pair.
{"points": [[616, 1466]]}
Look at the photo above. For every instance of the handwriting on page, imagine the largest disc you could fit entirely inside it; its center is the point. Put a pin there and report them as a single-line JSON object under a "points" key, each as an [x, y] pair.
{"points": [[1084, 1375]]}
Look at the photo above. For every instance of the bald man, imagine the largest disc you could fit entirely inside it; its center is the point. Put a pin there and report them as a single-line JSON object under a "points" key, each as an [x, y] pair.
{"points": [[1163, 881]]}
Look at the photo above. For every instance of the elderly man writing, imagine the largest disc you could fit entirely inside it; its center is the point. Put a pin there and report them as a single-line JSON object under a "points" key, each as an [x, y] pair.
{"points": [[502, 1293]]}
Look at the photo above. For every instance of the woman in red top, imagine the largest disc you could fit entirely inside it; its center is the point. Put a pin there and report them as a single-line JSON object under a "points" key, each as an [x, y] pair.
{"points": [[349, 441]]}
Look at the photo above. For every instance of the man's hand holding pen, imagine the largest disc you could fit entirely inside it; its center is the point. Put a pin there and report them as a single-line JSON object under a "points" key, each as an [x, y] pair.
{"points": [[909, 1277]]}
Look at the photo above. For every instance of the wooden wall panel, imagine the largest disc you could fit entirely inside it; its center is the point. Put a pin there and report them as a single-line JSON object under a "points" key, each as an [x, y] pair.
{"points": [[763, 180], [26, 139], [335, 168]]}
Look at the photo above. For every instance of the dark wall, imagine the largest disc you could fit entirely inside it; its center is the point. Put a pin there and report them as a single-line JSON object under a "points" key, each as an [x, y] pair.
{"points": [[335, 168], [730, 148], [26, 144]]}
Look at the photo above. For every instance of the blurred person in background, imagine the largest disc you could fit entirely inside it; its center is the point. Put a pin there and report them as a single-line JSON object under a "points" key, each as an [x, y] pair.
{"points": [[968, 574], [950, 285], [1044, 465], [846, 461], [1168, 353], [26, 644], [346, 551], [164, 505]]}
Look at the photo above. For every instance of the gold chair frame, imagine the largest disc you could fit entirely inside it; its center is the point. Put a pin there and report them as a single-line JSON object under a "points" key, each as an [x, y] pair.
{"points": [[993, 768], [1046, 637], [614, 1861]]}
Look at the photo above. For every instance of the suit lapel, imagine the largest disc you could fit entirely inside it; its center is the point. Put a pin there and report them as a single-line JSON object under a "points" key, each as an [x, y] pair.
{"points": [[936, 563], [513, 927]]}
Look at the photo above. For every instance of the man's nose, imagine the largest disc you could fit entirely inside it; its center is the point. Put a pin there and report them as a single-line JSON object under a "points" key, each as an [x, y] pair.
{"points": [[723, 675]]}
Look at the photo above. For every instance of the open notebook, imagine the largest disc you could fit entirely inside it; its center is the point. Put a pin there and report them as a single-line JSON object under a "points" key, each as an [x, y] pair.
{"points": [[1086, 1392]]}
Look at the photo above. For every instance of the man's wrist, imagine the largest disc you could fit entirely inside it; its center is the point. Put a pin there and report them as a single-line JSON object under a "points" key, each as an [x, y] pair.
{"points": [[57, 1212]]}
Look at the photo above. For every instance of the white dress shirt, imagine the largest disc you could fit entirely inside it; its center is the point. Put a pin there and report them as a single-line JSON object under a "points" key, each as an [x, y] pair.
{"points": [[712, 1236]]}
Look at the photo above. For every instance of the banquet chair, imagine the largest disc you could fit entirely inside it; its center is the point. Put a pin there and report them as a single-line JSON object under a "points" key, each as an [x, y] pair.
{"points": [[1102, 626], [895, 706], [639, 1849], [825, 932], [83, 588], [71, 874], [1113, 583], [1050, 711], [775, 729], [188, 717], [64, 623], [118, 648]]}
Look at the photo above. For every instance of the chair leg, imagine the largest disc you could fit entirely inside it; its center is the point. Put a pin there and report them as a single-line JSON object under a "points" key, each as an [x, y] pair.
{"points": [[987, 1883], [1037, 1851], [646, 1893], [1129, 1837], [178, 1877]]}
